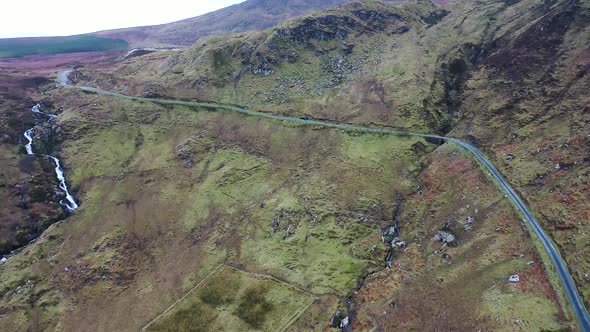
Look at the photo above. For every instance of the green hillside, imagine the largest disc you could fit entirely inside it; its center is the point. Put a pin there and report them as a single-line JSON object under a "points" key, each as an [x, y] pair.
{"points": [[196, 217]]}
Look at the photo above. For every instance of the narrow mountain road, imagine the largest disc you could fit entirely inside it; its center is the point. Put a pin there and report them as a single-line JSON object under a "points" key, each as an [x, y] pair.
{"points": [[556, 259]]}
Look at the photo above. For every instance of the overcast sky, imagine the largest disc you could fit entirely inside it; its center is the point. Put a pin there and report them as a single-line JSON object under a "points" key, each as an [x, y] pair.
{"points": [[29, 18]]}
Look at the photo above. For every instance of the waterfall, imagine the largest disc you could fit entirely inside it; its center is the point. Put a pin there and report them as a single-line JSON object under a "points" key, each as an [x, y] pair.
{"points": [[69, 203]]}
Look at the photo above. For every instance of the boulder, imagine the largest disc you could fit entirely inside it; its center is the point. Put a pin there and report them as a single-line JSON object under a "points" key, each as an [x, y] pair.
{"points": [[446, 237], [344, 323], [514, 278], [336, 319]]}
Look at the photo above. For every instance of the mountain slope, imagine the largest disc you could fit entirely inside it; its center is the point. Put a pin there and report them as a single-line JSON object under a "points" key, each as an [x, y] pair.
{"points": [[171, 195], [302, 65], [249, 15], [246, 16], [528, 104], [510, 77]]}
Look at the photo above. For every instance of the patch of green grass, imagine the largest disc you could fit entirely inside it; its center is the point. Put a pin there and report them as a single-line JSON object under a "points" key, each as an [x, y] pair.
{"points": [[227, 178], [106, 153], [221, 292], [320, 257], [195, 317], [523, 311], [254, 307], [233, 300]]}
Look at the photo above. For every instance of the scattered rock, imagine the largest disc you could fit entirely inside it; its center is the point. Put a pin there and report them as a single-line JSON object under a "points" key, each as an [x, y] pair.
{"points": [[402, 29], [447, 258], [336, 319], [514, 278], [446, 237], [275, 224], [389, 256], [469, 224], [344, 323], [287, 233], [400, 244]]}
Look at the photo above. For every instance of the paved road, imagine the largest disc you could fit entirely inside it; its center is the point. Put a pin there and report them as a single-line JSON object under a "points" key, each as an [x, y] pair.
{"points": [[558, 262]]}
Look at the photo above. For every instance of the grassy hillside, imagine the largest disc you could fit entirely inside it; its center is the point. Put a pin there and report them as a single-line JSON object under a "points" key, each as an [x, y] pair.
{"points": [[171, 195], [246, 16], [356, 63], [18, 47], [511, 79]]}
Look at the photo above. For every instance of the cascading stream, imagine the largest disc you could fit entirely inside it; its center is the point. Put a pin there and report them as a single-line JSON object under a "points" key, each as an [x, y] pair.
{"points": [[36, 109], [69, 203], [29, 137]]}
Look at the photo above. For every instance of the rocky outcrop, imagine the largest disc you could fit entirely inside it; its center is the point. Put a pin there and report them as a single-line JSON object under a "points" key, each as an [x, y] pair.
{"points": [[36, 199], [285, 41], [336, 319], [377, 20], [327, 27], [445, 235], [287, 221], [47, 138], [77, 76], [191, 151], [153, 89], [436, 16]]}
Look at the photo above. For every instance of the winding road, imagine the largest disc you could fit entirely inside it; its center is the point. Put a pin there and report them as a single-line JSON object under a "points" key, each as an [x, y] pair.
{"points": [[556, 259]]}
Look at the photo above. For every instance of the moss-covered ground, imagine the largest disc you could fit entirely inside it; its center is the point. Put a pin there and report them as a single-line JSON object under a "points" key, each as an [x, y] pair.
{"points": [[232, 300], [170, 193]]}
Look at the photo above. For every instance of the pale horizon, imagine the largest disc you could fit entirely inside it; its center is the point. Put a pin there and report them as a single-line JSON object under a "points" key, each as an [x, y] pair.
{"points": [[69, 16]]}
